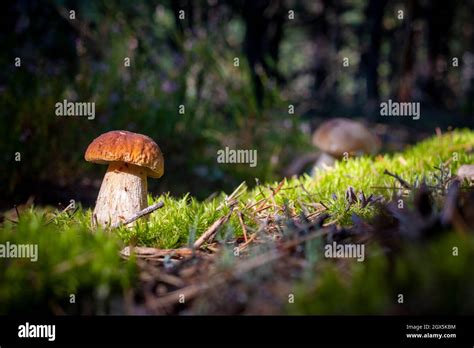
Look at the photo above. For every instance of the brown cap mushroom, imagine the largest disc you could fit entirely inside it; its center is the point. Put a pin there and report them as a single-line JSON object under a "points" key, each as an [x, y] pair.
{"points": [[341, 135], [131, 158]]}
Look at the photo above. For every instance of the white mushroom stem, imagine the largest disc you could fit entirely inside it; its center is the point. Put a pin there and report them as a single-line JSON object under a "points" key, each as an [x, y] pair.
{"points": [[122, 194], [324, 161], [466, 171]]}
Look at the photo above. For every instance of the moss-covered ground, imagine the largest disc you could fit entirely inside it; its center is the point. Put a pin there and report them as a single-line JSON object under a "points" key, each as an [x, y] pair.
{"points": [[74, 259]]}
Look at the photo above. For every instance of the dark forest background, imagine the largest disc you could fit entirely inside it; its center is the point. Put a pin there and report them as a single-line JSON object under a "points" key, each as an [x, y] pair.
{"points": [[290, 53]]}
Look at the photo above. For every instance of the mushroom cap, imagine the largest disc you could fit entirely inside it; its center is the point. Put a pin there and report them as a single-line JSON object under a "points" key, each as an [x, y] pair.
{"points": [[466, 171], [340, 135], [128, 147]]}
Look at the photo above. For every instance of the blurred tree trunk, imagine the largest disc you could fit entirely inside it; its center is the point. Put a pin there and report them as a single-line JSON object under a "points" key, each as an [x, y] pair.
{"points": [[371, 57], [439, 19], [264, 21], [319, 30], [188, 7], [406, 75]]}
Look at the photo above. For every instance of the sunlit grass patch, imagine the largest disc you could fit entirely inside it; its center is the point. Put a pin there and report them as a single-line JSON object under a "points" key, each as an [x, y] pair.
{"points": [[179, 223], [366, 174], [184, 218]]}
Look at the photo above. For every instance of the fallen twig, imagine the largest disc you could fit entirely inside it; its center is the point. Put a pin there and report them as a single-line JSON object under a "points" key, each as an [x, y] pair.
{"points": [[191, 291], [399, 179], [69, 207], [247, 243], [150, 253], [244, 229], [211, 231], [272, 196], [231, 200], [141, 213], [17, 212]]}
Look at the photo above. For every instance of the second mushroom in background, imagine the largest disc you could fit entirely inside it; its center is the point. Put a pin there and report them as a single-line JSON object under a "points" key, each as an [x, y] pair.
{"points": [[340, 136]]}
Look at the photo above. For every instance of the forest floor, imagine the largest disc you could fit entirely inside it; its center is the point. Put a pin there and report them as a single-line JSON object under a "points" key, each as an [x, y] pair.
{"points": [[264, 250]]}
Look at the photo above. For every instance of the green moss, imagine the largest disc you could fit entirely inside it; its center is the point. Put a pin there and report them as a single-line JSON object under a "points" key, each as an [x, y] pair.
{"points": [[439, 277], [90, 263], [177, 224], [180, 218], [70, 261], [431, 279]]}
